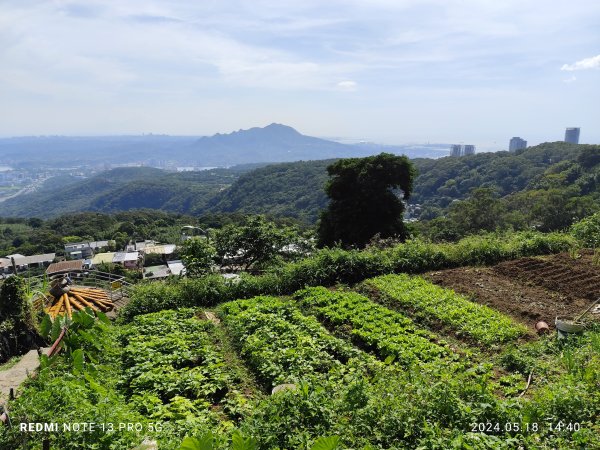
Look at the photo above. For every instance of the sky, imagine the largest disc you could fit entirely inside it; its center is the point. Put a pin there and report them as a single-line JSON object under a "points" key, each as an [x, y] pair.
{"points": [[388, 71]]}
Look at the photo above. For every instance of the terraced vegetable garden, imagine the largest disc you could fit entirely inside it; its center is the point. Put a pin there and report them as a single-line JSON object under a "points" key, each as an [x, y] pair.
{"points": [[165, 374], [395, 362]]}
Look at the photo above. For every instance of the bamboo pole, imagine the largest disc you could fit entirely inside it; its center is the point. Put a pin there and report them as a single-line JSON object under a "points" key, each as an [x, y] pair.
{"points": [[85, 302], [76, 304], [68, 307]]}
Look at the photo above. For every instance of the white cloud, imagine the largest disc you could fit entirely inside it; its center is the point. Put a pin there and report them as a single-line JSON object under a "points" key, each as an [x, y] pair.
{"points": [[348, 86], [587, 63], [82, 60]]}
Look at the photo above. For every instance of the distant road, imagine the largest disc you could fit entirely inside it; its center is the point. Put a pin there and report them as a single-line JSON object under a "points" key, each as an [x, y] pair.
{"points": [[30, 188]]}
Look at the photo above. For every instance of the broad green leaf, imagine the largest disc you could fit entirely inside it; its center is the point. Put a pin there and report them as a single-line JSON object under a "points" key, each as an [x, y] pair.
{"points": [[46, 325], [204, 442], [102, 317], [241, 443], [78, 360], [84, 319], [326, 443], [56, 329]]}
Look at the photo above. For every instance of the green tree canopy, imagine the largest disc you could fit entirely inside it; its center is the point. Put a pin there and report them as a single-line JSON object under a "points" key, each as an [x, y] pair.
{"points": [[198, 255], [483, 210], [255, 243], [365, 199]]}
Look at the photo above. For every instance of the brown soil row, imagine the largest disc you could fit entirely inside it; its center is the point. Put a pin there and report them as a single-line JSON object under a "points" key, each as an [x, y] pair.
{"points": [[574, 278], [529, 289]]}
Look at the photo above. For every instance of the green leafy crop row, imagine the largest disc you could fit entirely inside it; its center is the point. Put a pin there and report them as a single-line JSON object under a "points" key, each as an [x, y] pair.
{"points": [[388, 332], [284, 346], [173, 371], [432, 303]]}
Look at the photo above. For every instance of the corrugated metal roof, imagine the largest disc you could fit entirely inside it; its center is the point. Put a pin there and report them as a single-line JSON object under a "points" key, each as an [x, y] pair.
{"points": [[161, 249], [141, 245], [35, 259], [119, 257], [65, 266], [176, 267], [132, 256], [157, 272], [103, 258]]}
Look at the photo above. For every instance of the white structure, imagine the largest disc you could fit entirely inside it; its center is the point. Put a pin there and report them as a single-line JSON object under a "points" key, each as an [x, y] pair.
{"points": [[83, 250], [462, 150]]}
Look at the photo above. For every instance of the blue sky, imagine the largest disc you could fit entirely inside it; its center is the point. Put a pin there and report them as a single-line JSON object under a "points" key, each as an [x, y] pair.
{"points": [[472, 71]]}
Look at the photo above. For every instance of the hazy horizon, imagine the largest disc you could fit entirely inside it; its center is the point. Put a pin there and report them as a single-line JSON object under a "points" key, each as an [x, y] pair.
{"points": [[481, 146], [390, 72]]}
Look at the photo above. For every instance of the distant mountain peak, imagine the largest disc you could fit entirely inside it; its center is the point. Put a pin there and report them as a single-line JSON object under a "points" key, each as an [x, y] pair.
{"points": [[272, 129], [280, 127]]}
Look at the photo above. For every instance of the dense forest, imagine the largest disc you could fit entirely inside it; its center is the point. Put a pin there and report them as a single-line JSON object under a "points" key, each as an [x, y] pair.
{"points": [[123, 189], [290, 190], [546, 187]]}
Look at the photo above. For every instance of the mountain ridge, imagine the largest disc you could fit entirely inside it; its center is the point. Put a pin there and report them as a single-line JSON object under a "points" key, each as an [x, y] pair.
{"points": [[270, 144]]}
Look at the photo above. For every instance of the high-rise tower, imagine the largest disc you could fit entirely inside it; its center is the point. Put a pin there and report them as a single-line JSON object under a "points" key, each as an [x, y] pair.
{"points": [[468, 150], [572, 135], [516, 143]]}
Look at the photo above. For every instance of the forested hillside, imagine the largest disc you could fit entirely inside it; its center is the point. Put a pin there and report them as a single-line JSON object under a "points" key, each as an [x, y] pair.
{"points": [[123, 189], [547, 187], [446, 179], [290, 190]]}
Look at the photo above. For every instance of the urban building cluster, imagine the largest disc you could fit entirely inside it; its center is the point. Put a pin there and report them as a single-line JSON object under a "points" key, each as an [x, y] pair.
{"points": [[515, 143], [91, 255], [571, 136]]}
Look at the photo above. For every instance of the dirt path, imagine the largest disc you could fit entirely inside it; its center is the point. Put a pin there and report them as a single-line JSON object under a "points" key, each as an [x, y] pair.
{"points": [[13, 378]]}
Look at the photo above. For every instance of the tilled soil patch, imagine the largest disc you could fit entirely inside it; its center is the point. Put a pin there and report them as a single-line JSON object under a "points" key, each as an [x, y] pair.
{"points": [[510, 295], [573, 278]]}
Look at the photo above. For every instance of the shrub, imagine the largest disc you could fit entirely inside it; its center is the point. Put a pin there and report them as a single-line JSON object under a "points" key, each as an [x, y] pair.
{"points": [[587, 231]]}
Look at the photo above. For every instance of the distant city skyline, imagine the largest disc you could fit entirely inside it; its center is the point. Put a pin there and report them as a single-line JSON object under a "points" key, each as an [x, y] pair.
{"points": [[392, 72]]}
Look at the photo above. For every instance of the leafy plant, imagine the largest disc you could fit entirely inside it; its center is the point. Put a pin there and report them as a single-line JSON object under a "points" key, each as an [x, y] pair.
{"points": [[388, 333], [284, 346], [587, 231], [429, 302]]}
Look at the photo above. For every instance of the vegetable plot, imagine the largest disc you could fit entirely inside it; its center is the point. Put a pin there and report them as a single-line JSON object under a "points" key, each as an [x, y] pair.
{"points": [[284, 346], [430, 303], [171, 364], [389, 333]]}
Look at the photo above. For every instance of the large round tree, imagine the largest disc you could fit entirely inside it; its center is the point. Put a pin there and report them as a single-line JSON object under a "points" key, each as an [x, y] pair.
{"points": [[365, 199]]}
